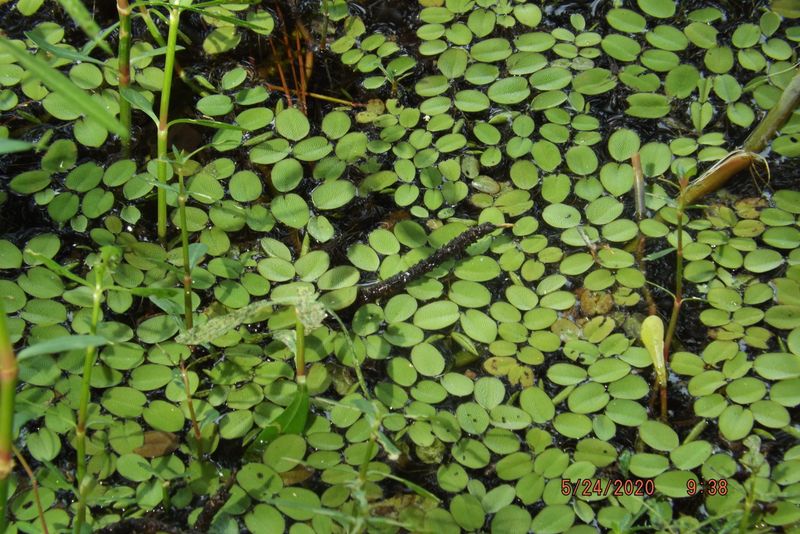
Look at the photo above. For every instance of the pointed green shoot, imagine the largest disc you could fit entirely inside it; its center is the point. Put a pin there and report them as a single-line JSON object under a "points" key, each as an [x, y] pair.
{"points": [[653, 338]]}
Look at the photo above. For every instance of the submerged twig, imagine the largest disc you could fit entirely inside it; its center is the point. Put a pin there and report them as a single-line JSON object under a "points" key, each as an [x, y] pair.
{"points": [[453, 249]]}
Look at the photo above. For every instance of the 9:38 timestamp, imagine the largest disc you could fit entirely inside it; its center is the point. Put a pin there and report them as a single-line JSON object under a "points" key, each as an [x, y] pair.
{"points": [[712, 486]]}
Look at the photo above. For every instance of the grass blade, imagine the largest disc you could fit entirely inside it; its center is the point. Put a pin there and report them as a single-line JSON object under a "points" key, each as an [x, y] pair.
{"points": [[138, 101], [84, 19], [55, 81], [8, 146], [61, 344]]}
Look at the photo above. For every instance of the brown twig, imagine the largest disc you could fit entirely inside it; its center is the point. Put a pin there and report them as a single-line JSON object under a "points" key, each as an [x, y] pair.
{"points": [[302, 70], [289, 54], [453, 249], [273, 87], [280, 73], [34, 487]]}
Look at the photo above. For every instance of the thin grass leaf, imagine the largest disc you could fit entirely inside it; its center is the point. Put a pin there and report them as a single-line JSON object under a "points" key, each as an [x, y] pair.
{"points": [[94, 42], [659, 254], [155, 52], [83, 18], [139, 102], [202, 9], [9, 146], [55, 81], [164, 292], [292, 420], [196, 253], [39, 40], [58, 269], [207, 123], [416, 488], [61, 344]]}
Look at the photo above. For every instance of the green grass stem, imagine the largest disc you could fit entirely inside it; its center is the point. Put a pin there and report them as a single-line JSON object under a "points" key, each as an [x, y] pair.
{"points": [[300, 353], [99, 272], [187, 267], [8, 387], [163, 126], [83, 18]]}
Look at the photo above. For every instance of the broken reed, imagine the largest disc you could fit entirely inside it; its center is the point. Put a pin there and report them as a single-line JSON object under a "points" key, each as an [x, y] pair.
{"points": [[8, 387]]}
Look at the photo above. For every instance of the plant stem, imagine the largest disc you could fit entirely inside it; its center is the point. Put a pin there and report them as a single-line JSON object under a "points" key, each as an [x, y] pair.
{"points": [[362, 469], [290, 56], [325, 24], [776, 118], [187, 268], [302, 73], [166, 90], [123, 59], [284, 85], [318, 96], [678, 300], [153, 29], [300, 349], [748, 504], [83, 407], [8, 388], [638, 185], [192, 415], [34, 488]]}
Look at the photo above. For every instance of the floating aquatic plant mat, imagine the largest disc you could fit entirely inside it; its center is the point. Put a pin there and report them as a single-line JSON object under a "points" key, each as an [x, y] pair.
{"points": [[434, 266]]}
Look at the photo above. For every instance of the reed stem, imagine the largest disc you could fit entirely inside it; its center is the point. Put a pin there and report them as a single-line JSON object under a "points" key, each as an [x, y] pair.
{"points": [[163, 123], [8, 388], [124, 66], [776, 118]]}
